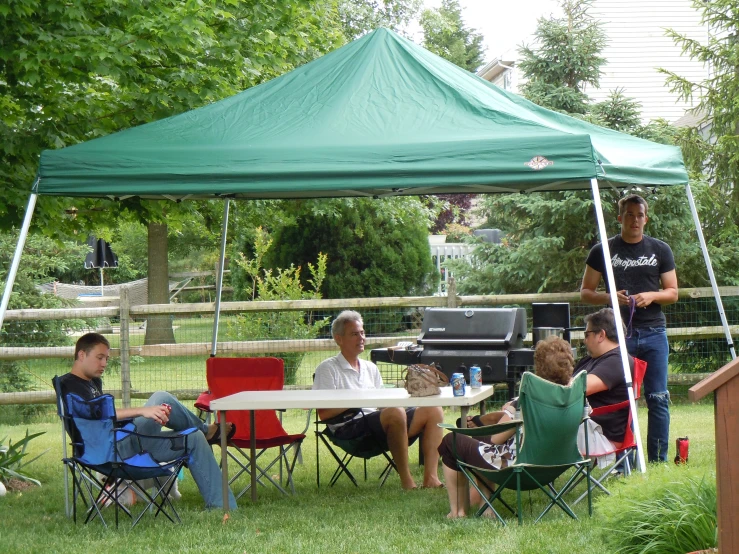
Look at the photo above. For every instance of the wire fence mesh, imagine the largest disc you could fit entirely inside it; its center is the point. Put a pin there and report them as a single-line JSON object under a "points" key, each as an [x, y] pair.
{"points": [[32, 351]]}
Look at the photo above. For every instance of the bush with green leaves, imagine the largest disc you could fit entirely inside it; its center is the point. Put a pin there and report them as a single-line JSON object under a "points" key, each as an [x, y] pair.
{"points": [[13, 462], [375, 248], [279, 284], [673, 519], [43, 259]]}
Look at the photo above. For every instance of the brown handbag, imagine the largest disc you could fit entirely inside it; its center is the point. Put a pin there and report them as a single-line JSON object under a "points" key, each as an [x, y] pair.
{"points": [[424, 380]]}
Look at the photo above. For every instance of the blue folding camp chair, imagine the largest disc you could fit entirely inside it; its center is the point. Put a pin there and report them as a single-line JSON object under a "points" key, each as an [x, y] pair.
{"points": [[105, 456]]}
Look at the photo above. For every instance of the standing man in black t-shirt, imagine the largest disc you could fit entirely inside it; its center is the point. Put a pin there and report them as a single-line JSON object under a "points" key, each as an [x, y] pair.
{"points": [[640, 265]]}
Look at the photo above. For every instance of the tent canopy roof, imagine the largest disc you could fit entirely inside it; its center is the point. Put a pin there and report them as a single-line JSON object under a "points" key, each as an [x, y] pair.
{"points": [[380, 116]]}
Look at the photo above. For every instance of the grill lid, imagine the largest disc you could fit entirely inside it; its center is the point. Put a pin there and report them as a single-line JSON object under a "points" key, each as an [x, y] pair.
{"points": [[467, 327]]}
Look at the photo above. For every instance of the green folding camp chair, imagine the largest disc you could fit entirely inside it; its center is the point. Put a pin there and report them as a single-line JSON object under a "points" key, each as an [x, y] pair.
{"points": [[552, 414]]}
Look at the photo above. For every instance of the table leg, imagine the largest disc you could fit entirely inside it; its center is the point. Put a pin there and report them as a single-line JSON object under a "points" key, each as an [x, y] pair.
{"points": [[253, 454], [483, 411], [224, 459], [463, 419]]}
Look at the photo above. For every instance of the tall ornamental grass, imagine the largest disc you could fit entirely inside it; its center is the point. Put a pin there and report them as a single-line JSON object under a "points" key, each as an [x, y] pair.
{"points": [[678, 517]]}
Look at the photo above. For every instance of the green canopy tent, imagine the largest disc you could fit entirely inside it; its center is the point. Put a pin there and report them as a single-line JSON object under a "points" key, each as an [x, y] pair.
{"points": [[379, 117]]}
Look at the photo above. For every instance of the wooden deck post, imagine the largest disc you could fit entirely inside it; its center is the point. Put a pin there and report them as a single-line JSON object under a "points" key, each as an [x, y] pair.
{"points": [[725, 384]]}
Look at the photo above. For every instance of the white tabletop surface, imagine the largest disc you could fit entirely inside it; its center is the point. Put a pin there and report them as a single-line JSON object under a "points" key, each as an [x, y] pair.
{"points": [[373, 398]]}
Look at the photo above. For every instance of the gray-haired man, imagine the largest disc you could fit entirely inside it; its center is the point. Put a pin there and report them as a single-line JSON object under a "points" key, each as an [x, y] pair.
{"points": [[394, 425]]}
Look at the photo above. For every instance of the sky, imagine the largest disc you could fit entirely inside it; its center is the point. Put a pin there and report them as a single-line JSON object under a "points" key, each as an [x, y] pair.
{"points": [[505, 24]]}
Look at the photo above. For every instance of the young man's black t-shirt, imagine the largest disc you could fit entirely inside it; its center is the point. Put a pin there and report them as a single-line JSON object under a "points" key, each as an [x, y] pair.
{"points": [[636, 268], [87, 390]]}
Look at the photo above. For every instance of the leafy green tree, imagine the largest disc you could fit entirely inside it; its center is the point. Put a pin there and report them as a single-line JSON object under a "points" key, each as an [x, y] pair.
{"points": [[717, 93], [567, 57], [445, 34], [72, 71], [374, 247], [43, 259], [362, 16], [618, 112]]}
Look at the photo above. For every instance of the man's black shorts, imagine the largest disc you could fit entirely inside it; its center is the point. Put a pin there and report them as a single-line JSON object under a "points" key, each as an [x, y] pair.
{"points": [[369, 424]]}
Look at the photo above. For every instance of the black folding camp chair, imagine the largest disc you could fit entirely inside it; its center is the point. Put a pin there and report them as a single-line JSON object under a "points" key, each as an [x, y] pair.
{"points": [[363, 447]]}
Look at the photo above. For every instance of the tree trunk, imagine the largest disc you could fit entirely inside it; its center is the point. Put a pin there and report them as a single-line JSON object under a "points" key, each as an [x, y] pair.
{"points": [[158, 327]]}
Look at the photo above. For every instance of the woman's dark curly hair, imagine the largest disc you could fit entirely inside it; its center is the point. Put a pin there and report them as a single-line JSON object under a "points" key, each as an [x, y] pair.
{"points": [[553, 360]]}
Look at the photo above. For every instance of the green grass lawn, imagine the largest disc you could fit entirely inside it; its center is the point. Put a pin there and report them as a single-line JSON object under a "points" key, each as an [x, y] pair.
{"points": [[338, 519]]}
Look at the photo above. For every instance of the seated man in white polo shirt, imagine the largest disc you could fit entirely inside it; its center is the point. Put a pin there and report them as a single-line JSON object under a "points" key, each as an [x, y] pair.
{"points": [[392, 425]]}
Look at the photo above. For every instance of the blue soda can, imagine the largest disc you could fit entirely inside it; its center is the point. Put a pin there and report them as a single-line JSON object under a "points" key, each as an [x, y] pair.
{"points": [[475, 377], [458, 384]]}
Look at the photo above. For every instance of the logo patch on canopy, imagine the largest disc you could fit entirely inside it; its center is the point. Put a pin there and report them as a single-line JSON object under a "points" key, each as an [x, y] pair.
{"points": [[537, 163]]}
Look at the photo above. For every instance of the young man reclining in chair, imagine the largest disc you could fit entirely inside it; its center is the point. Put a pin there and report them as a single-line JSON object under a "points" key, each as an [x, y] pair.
{"points": [[160, 416], [392, 425]]}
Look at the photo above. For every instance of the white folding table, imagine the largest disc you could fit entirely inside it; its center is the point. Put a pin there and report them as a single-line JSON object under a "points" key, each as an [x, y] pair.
{"points": [[320, 399]]}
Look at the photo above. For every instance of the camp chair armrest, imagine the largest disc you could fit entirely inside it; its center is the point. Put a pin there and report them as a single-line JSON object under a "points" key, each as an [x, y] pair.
{"points": [[602, 410], [133, 433], [483, 431]]}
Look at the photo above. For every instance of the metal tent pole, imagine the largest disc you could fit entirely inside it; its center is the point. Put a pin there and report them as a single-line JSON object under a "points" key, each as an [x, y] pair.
{"points": [[619, 322], [219, 280], [17, 256], [711, 276]]}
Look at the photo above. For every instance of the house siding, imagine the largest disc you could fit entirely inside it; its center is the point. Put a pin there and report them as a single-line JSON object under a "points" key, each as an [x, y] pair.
{"points": [[637, 47]]}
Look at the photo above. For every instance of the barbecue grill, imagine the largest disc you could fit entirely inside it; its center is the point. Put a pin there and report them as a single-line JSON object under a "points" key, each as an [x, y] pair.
{"points": [[455, 339]]}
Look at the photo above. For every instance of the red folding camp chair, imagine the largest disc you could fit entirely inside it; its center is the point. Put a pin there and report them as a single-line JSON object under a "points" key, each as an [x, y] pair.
{"points": [[628, 443], [228, 376]]}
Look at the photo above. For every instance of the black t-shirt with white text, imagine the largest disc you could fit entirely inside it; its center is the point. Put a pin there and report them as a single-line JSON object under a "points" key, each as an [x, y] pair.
{"points": [[636, 268]]}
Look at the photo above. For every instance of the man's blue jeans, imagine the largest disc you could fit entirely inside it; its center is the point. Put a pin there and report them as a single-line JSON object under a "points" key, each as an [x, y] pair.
{"points": [[650, 344], [202, 463]]}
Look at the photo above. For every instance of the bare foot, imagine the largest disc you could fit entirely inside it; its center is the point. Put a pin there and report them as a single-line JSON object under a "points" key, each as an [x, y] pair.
{"points": [[433, 484], [452, 515], [408, 484]]}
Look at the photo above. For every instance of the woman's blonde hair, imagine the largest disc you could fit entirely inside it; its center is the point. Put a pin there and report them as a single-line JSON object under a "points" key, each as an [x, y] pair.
{"points": [[553, 360]]}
